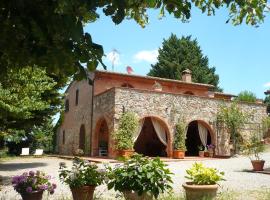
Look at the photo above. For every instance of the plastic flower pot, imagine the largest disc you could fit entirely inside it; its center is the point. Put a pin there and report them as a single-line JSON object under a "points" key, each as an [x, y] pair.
{"points": [[83, 193], [200, 192]]}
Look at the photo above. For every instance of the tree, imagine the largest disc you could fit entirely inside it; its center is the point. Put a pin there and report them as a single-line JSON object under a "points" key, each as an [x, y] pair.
{"points": [[247, 96], [28, 98], [233, 119], [50, 33], [176, 55]]}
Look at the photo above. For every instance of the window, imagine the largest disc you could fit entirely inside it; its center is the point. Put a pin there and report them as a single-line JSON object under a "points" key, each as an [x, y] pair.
{"points": [[64, 137], [67, 105], [77, 97], [127, 85]]}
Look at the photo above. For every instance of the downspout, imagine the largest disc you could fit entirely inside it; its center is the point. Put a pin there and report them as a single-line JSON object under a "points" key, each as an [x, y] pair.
{"points": [[92, 114]]}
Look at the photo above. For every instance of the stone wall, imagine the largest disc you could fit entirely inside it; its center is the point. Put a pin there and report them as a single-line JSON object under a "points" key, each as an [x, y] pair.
{"points": [[170, 108], [75, 117], [104, 105]]}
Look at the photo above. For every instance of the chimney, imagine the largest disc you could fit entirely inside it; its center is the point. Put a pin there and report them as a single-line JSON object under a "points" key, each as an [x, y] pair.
{"points": [[186, 76]]}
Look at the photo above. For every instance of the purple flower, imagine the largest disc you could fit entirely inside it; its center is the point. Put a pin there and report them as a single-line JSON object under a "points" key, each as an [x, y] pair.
{"points": [[31, 173], [22, 179], [29, 189], [15, 180], [43, 187], [53, 185], [48, 177]]}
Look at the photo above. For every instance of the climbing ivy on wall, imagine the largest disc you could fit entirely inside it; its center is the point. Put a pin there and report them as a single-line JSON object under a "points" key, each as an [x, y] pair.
{"points": [[233, 120]]}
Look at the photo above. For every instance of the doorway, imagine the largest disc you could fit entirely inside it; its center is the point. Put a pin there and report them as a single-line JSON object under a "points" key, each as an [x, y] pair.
{"points": [[148, 142], [193, 140]]}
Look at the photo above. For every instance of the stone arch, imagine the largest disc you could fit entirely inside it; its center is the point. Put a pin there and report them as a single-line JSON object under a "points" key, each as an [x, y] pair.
{"points": [[101, 138], [82, 137], [193, 138], [148, 143]]}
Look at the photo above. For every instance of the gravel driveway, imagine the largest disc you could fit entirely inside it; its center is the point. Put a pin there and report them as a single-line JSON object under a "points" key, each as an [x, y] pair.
{"points": [[236, 177]]}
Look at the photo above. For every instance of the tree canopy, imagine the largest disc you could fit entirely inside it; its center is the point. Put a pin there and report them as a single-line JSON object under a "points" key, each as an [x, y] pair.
{"points": [[247, 96], [28, 97], [178, 54], [50, 33]]}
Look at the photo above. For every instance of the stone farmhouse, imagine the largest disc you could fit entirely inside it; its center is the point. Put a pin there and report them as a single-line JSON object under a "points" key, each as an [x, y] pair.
{"points": [[92, 113]]}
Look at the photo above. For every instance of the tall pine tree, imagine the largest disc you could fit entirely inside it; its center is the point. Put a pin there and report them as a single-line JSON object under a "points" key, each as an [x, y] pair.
{"points": [[176, 55]]}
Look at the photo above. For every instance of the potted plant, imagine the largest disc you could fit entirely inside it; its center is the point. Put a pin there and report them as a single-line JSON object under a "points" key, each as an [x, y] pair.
{"points": [[140, 178], [201, 150], [82, 178], [31, 185], [203, 183], [253, 147], [179, 142], [128, 125], [211, 149]]}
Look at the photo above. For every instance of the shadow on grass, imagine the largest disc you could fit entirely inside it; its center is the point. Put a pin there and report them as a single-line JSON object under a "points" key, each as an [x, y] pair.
{"points": [[19, 166]]}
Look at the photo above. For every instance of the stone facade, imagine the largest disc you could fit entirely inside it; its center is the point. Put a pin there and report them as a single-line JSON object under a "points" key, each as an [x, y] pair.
{"points": [[170, 108], [110, 101], [75, 117]]}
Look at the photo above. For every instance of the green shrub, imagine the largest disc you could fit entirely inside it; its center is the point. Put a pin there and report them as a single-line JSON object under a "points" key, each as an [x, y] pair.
{"points": [[179, 142], [246, 96], [128, 125], [82, 173], [142, 175], [201, 175]]}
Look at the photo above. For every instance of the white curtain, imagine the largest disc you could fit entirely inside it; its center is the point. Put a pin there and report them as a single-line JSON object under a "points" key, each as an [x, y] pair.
{"points": [[161, 133], [136, 135], [203, 134]]}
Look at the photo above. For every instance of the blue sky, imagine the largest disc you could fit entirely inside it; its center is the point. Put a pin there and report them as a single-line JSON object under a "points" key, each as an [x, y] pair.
{"points": [[241, 54]]}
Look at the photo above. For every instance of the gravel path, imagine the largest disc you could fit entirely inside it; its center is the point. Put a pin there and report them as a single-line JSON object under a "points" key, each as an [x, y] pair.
{"points": [[236, 178]]}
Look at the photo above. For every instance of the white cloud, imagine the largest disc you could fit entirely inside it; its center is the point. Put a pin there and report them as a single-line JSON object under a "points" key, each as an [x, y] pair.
{"points": [[148, 56], [114, 57], [266, 84]]}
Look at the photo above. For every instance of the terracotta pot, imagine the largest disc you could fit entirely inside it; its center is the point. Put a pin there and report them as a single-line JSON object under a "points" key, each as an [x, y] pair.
{"points": [[125, 153], [211, 154], [37, 195], [257, 165], [206, 154], [201, 153], [83, 193], [131, 195], [200, 192], [179, 154]]}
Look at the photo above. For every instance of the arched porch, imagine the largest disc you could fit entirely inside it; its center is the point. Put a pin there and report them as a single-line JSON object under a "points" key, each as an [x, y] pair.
{"points": [[154, 137]]}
